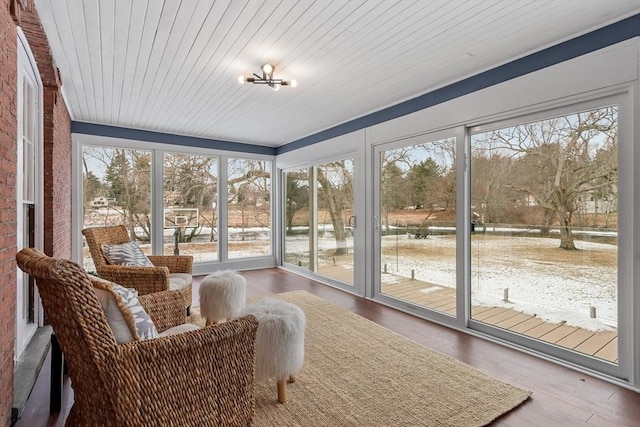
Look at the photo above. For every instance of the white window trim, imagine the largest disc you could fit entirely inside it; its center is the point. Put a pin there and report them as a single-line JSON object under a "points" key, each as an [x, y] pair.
{"points": [[27, 66]]}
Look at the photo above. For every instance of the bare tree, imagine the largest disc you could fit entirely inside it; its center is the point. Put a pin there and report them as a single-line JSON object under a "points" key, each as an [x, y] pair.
{"points": [[491, 175], [394, 165], [335, 180], [249, 189], [126, 176], [561, 159], [190, 181], [297, 193]]}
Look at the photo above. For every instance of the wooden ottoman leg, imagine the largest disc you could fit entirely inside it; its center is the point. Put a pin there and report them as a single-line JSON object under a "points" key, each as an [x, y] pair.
{"points": [[292, 378], [282, 390]]}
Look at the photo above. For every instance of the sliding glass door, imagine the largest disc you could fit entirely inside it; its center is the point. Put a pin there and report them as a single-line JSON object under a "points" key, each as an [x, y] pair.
{"points": [[319, 220], [544, 250], [522, 242], [416, 222]]}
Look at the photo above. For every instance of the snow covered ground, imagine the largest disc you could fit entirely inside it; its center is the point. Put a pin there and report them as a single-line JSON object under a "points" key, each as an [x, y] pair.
{"points": [[553, 289]]}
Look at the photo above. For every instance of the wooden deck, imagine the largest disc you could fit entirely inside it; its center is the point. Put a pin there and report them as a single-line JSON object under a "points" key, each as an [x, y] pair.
{"points": [[603, 345]]}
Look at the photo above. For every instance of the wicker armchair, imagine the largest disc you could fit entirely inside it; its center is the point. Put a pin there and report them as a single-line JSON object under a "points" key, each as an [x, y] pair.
{"points": [[145, 279], [199, 378]]}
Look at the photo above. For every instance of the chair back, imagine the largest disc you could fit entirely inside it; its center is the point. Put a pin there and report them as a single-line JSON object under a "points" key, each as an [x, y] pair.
{"points": [[74, 312], [98, 236]]}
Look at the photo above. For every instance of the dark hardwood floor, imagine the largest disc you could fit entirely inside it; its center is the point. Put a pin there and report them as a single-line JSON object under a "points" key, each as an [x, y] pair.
{"points": [[561, 396]]}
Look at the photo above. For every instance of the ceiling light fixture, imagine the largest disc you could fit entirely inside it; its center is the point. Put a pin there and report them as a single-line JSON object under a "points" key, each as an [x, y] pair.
{"points": [[267, 79]]}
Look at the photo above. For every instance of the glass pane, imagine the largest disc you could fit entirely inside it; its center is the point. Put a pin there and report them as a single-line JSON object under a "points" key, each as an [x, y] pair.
{"points": [[544, 240], [28, 170], [29, 135], [116, 186], [249, 211], [334, 213], [418, 224], [190, 197], [297, 218], [27, 110]]}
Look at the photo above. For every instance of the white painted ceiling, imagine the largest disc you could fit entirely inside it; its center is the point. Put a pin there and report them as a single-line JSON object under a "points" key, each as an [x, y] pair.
{"points": [[172, 66]]}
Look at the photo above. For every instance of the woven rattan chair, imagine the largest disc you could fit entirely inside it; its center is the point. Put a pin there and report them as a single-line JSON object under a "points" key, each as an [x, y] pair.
{"points": [[145, 279], [199, 378]]}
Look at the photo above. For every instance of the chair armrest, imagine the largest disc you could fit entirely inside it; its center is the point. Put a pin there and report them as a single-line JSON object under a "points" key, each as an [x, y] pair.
{"points": [[166, 309], [175, 263], [202, 377], [145, 279]]}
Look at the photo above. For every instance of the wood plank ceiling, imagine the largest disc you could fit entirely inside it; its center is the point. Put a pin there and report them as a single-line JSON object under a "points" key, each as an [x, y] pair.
{"points": [[172, 66]]}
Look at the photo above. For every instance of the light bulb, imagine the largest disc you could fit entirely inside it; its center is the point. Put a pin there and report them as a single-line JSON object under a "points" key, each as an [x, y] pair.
{"points": [[267, 68], [293, 83], [241, 79], [276, 87]]}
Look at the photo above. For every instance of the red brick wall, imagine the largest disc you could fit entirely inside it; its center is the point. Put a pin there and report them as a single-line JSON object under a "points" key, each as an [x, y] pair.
{"points": [[57, 181], [8, 79], [57, 172], [57, 143]]}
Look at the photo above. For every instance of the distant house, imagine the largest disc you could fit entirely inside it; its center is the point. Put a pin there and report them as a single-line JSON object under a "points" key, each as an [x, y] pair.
{"points": [[99, 202], [591, 204]]}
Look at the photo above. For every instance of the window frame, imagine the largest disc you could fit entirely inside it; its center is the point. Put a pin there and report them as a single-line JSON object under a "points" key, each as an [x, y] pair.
{"points": [[458, 134], [27, 69], [157, 206], [628, 340], [621, 97], [357, 286]]}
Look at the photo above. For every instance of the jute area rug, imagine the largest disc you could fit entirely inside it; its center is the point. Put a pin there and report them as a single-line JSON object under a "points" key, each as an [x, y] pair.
{"points": [[357, 373]]}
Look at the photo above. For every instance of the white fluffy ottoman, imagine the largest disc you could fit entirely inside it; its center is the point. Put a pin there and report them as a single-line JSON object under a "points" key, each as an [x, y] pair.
{"points": [[279, 341], [222, 296]]}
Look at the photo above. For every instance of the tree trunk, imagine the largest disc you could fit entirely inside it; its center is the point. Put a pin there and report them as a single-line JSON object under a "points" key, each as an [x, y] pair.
{"points": [[546, 221], [289, 214], [386, 221], [338, 225], [341, 237], [566, 236]]}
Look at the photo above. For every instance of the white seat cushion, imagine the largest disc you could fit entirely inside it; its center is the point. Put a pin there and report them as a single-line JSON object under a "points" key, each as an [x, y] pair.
{"points": [[180, 329], [178, 281]]}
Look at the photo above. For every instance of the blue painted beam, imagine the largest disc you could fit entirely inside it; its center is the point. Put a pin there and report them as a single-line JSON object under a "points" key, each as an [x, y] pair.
{"points": [[167, 138]]}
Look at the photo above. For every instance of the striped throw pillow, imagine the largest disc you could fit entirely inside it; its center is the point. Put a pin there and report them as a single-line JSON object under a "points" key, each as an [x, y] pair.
{"points": [[128, 254], [125, 315]]}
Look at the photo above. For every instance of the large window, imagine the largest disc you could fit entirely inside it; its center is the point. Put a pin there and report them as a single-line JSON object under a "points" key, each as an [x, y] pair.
{"points": [[249, 208], [116, 189], [544, 245], [190, 198], [207, 205]]}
